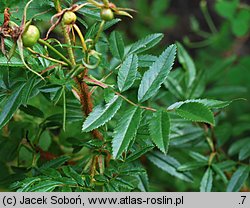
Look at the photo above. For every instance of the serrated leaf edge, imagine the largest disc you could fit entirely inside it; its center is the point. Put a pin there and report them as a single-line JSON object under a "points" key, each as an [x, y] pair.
{"points": [[142, 98], [115, 131], [197, 120], [150, 131], [116, 98]]}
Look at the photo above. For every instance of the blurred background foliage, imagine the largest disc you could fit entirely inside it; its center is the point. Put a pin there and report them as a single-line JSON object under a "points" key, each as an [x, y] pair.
{"points": [[217, 35]]}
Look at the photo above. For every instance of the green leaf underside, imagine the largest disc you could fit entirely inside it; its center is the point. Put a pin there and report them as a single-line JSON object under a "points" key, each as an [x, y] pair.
{"points": [[127, 73], [159, 128], [168, 164], [196, 112], [145, 43], [156, 75], [238, 179], [207, 181], [102, 114], [187, 63], [117, 45], [126, 130]]}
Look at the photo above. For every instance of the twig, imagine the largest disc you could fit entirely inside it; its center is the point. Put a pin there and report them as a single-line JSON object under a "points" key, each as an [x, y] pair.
{"points": [[103, 85], [47, 57], [55, 51]]}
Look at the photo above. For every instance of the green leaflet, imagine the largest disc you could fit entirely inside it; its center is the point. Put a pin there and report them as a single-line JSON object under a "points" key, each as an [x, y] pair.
{"points": [[45, 186], [127, 73], [237, 146], [13, 62], [192, 166], [242, 147], [12, 104], [240, 23], [108, 94], [168, 164], [198, 157], [218, 170], [207, 181], [32, 110], [217, 104], [124, 183], [195, 112], [159, 127], [126, 130], [27, 183], [20, 96], [238, 179], [102, 114], [156, 75], [245, 152], [111, 23], [138, 153], [198, 87], [187, 63], [71, 173], [119, 184], [116, 45], [146, 60], [145, 43], [227, 165], [226, 9], [174, 87], [143, 184], [55, 162], [51, 172]]}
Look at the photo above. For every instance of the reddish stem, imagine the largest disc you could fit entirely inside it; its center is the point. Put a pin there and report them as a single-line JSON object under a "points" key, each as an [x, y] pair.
{"points": [[86, 103]]}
